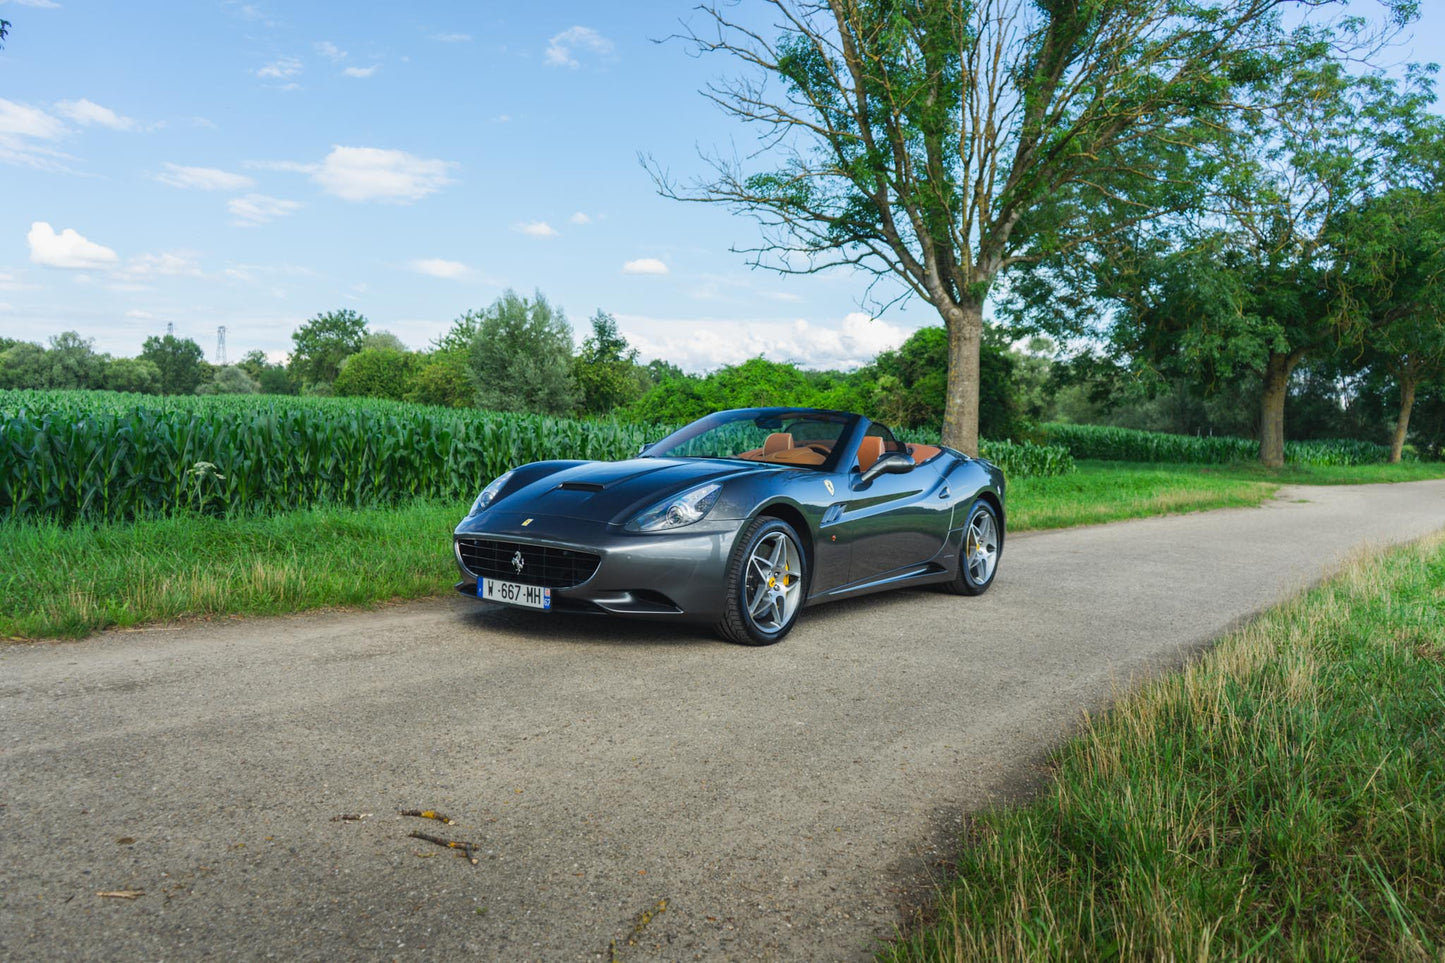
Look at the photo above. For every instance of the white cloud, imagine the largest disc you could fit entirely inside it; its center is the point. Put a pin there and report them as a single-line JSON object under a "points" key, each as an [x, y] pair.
{"points": [[87, 112], [536, 229], [66, 249], [580, 218], [203, 178], [22, 121], [330, 51], [42, 4], [702, 344], [6, 306], [373, 174], [361, 71], [165, 264], [135, 315], [438, 268], [452, 37], [502, 119], [255, 209], [562, 50], [644, 265], [283, 68]]}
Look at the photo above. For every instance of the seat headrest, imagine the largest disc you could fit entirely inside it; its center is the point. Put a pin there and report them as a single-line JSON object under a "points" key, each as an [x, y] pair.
{"points": [[868, 451], [777, 441]]}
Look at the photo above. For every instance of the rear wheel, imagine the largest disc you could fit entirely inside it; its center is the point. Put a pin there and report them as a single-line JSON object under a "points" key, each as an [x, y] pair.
{"points": [[982, 546], [767, 581]]}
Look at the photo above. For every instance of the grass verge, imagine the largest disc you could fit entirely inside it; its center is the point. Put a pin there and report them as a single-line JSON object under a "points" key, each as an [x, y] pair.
{"points": [[1281, 798], [1108, 491], [63, 582]]}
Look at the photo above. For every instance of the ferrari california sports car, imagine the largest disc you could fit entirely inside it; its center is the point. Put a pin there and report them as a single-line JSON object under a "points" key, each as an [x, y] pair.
{"points": [[740, 520]]}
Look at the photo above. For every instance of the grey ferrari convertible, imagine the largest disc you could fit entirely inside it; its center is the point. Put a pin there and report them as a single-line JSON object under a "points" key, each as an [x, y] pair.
{"points": [[739, 520]]}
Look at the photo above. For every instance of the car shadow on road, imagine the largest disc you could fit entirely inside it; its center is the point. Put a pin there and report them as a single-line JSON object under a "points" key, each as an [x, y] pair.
{"points": [[577, 629], [580, 629]]}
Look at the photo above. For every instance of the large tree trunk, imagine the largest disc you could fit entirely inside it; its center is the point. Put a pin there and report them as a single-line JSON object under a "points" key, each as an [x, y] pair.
{"points": [[1402, 424], [960, 407], [1271, 408]]}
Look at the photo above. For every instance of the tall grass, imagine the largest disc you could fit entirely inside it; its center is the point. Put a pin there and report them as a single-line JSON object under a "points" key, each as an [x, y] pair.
{"points": [[67, 581], [1281, 799]]}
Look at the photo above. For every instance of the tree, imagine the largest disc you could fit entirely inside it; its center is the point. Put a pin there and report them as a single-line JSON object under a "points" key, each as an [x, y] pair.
{"points": [[1393, 281], [443, 378], [23, 365], [383, 339], [606, 368], [911, 390], [73, 363], [4, 32], [377, 373], [230, 380], [1243, 284], [322, 343], [521, 358], [179, 360], [272, 378], [133, 374], [939, 142]]}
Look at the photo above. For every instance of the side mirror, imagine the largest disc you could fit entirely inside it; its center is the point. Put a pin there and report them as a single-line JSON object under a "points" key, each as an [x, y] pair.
{"points": [[642, 449], [888, 463]]}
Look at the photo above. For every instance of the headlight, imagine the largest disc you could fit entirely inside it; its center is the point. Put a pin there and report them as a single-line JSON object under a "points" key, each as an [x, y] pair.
{"points": [[678, 511], [489, 494]]}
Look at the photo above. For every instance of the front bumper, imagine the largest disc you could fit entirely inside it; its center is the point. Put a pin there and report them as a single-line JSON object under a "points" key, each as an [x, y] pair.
{"points": [[671, 575]]}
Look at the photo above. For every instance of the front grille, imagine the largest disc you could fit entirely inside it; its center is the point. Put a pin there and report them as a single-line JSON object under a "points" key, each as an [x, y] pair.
{"points": [[542, 565]]}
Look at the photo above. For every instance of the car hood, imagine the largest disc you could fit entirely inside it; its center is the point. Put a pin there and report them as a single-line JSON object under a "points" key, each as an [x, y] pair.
{"points": [[616, 491]]}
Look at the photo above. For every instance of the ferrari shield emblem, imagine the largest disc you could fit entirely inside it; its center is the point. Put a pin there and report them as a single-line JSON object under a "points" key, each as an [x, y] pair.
{"points": [[828, 485], [526, 523]]}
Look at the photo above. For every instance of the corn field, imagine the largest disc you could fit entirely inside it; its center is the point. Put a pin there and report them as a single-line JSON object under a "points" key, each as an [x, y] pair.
{"points": [[1127, 444], [79, 454], [69, 455]]}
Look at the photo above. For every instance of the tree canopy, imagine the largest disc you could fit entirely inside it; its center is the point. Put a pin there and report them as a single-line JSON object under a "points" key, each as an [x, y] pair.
{"points": [[521, 356], [938, 143], [322, 343], [180, 361]]}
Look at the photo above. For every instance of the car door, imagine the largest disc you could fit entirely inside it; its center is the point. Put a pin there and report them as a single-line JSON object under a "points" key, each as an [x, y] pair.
{"points": [[894, 523]]}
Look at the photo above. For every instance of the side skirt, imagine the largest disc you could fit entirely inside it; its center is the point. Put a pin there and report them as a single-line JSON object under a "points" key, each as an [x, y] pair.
{"points": [[927, 573]]}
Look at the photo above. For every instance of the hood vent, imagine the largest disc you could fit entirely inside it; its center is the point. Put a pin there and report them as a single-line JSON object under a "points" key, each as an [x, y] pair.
{"points": [[580, 487]]}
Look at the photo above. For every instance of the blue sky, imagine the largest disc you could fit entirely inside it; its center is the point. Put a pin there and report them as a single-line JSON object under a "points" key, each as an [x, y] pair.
{"points": [[253, 164]]}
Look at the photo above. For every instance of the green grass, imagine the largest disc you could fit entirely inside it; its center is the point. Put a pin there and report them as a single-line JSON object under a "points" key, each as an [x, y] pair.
{"points": [[1283, 798], [65, 582], [1108, 491]]}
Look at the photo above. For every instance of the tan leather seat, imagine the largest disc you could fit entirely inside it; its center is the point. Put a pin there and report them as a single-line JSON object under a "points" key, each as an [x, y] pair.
{"points": [[777, 441], [921, 453], [869, 451]]}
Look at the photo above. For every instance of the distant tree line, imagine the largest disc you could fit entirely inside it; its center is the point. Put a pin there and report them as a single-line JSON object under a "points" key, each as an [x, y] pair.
{"points": [[518, 354]]}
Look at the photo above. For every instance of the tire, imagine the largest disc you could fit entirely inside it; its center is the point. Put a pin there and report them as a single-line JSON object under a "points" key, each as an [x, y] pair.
{"points": [[766, 584], [979, 555]]}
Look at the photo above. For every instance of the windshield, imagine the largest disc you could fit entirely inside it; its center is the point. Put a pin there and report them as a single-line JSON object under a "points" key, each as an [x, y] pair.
{"points": [[800, 438]]}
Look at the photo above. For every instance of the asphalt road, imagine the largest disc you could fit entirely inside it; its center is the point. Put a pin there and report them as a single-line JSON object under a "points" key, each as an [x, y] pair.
{"points": [[787, 803]]}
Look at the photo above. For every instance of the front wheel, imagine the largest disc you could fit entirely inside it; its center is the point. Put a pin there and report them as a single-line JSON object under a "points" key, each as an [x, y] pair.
{"points": [[982, 546], [767, 581]]}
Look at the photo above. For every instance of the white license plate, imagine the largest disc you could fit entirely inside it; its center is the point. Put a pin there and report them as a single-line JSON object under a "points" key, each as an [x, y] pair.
{"points": [[513, 593]]}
